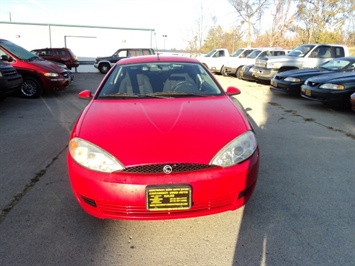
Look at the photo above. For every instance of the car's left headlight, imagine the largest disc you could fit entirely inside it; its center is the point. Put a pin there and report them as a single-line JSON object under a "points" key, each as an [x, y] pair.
{"points": [[236, 151], [330, 86], [292, 79]]}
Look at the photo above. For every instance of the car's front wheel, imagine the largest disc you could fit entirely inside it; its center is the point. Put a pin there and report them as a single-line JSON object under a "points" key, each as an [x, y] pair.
{"points": [[223, 71], [31, 87], [238, 73], [104, 68]]}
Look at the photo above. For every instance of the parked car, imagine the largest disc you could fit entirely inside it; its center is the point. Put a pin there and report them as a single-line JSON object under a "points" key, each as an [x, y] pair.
{"points": [[10, 80], [38, 74], [352, 101], [247, 73], [291, 81], [303, 56], [60, 55], [333, 89], [104, 64], [161, 139], [233, 67]]}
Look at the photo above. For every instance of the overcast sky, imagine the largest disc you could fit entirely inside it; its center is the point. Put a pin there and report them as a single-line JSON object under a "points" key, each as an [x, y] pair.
{"points": [[174, 18]]}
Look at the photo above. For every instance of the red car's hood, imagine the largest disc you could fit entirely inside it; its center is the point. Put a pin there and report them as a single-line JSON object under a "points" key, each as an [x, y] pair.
{"points": [[148, 131]]}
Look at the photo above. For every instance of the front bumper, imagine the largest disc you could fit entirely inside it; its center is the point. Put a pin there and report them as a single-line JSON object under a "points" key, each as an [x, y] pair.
{"points": [[9, 86], [123, 195], [285, 87], [265, 74], [230, 70], [58, 83], [328, 97], [247, 75]]}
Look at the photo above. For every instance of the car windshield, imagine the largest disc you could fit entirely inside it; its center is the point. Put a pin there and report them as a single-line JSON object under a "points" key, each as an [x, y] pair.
{"points": [[300, 51], [159, 80], [337, 64], [18, 51], [237, 53], [253, 54], [209, 54]]}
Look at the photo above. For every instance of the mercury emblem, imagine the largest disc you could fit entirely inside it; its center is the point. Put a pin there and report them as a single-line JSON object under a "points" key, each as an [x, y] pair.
{"points": [[167, 169]]}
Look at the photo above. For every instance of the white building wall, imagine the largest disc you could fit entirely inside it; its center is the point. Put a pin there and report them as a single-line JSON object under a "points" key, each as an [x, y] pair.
{"points": [[87, 42]]}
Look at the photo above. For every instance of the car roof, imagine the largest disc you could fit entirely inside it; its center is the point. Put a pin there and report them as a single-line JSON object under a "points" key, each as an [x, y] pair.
{"points": [[51, 49], [157, 58]]}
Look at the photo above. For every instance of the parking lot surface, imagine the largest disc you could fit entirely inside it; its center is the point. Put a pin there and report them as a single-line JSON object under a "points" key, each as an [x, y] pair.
{"points": [[301, 213]]}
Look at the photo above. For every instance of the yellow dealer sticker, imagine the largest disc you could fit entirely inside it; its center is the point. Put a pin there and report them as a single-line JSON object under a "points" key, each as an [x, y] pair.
{"points": [[163, 198]]}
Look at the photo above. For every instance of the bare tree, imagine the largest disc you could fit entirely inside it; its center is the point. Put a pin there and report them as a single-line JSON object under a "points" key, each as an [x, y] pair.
{"points": [[327, 16], [282, 18], [250, 12]]}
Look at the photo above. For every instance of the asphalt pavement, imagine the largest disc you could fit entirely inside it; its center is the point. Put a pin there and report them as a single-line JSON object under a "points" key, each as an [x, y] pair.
{"points": [[301, 212]]}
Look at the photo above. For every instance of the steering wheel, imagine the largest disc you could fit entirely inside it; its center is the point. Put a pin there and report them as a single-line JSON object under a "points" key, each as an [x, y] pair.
{"points": [[187, 85]]}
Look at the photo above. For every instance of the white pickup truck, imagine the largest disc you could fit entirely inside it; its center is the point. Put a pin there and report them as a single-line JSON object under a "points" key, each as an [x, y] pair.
{"points": [[233, 67], [303, 56], [216, 58]]}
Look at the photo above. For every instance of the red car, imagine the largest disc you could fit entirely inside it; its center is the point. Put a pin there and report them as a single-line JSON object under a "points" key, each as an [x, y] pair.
{"points": [[38, 74], [161, 139]]}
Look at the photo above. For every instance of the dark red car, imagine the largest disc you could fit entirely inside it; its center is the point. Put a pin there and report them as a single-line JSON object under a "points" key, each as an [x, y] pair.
{"points": [[161, 139], [38, 74]]}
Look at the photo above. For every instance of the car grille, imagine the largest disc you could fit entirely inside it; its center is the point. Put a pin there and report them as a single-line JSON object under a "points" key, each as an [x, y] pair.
{"points": [[159, 168], [312, 84], [279, 78], [260, 63], [10, 74]]}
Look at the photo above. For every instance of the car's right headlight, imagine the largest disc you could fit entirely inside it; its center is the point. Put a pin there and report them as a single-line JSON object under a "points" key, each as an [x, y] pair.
{"points": [[93, 157], [236, 151]]}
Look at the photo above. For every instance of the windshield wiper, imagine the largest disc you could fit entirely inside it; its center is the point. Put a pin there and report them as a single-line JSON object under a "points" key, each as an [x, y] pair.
{"points": [[165, 94], [170, 94], [120, 95], [33, 58]]}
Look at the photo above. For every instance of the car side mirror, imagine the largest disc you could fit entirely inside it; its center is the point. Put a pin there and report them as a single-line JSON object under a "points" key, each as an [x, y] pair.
{"points": [[233, 91], [6, 58], [86, 95]]}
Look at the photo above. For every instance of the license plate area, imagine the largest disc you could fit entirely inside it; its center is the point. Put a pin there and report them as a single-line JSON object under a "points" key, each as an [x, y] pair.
{"points": [[307, 92], [168, 197]]}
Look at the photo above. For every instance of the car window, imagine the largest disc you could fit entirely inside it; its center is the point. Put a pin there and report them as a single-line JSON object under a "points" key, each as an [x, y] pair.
{"points": [[265, 53], [61, 52], [254, 54], [18, 51], [133, 52], [121, 53], [277, 53], [338, 51], [301, 50], [321, 52], [159, 80], [337, 65], [146, 52]]}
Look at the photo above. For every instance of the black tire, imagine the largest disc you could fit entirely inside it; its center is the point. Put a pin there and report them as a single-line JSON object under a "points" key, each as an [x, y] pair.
{"points": [[238, 72], [223, 71], [31, 87], [104, 68]]}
